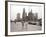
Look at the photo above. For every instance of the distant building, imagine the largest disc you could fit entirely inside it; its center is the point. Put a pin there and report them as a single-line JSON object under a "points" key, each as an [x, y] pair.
{"points": [[18, 16], [24, 14], [35, 18], [30, 15]]}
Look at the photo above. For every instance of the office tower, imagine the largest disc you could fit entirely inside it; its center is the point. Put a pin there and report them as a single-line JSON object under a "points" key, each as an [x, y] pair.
{"points": [[18, 16], [24, 14], [30, 15], [35, 16]]}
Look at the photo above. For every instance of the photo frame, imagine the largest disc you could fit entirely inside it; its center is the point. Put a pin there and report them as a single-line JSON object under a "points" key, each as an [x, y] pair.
{"points": [[11, 10]]}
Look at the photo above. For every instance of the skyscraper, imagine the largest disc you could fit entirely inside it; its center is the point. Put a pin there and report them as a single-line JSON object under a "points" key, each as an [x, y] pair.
{"points": [[24, 14], [18, 16], [36, 16], [30, 15]]}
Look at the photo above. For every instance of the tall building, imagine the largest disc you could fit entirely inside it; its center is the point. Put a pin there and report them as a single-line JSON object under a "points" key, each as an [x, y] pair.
{"points": [[30, 15], [18, 16], [35, 17], [24, 14]]}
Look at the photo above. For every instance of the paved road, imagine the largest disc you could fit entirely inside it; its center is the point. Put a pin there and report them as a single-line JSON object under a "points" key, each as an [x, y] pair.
{"points": [[17, 27]]}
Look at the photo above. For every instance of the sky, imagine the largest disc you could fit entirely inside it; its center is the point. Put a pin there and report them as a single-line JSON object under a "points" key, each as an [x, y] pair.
{"points": [[18, 8]]}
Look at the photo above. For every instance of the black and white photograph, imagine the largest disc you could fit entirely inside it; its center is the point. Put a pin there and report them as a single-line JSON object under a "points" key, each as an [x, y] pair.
{"points": [[25, 18]]}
